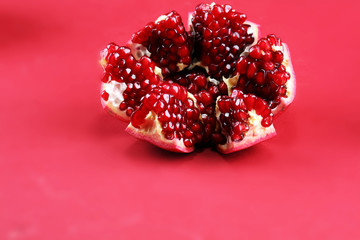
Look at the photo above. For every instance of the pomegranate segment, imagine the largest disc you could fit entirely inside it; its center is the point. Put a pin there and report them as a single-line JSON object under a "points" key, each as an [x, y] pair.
{"points": [[264, 71], [168, 112], [125, 81], [244, 119], [166, 42], [221, 35]]}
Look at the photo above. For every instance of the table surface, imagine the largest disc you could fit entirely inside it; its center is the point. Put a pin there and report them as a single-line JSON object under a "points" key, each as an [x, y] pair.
{"points": [[68, 170]]}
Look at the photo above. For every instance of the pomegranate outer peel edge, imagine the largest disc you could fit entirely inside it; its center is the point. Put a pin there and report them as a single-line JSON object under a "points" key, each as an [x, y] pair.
{"points": [[291, 84], [249, 140], [256, 134]]}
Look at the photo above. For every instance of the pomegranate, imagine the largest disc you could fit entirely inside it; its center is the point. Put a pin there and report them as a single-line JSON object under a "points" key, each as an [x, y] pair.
{"points": [[214, 85]]}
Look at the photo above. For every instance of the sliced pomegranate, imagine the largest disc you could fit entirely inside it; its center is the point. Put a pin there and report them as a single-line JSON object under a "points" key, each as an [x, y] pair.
{"points": [[245, 120], [168, 118], [166, 42], [215, 85], [221, 35], [266, 71], [125, 81]]}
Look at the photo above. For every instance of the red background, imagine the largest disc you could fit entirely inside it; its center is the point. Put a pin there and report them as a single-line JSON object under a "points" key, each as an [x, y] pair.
{"points": [[68, 170]]}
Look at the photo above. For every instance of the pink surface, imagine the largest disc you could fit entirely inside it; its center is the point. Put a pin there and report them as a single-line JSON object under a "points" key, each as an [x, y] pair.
{"points": [[68, 170]]}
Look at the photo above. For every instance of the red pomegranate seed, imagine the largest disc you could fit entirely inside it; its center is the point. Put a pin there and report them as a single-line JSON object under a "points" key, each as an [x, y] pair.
{"points": [[255, 52], [267, 121], [260, 106], [224, 105], [105, 95], [249, 102]]}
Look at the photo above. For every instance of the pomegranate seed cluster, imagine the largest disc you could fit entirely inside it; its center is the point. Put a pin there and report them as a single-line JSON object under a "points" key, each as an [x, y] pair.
{"points": [[234, 116], [177, 114], [262, 72], [138, 75], [167, 41], [211, 85], [220, 37], [193, 80]]}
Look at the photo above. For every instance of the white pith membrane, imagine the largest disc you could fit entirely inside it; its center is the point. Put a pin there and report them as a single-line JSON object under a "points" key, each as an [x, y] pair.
{"points": [[115, 90], [256, 133], [151, 131]]}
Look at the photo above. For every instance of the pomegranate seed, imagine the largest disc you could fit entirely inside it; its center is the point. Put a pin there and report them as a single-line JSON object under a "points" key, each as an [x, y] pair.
{"points": [[205, 97], [224, 105], [255, 52], [240, 128], [105, 96], [278, 57], [249, 102], [251, 70], [259, 106], [266, 122]]}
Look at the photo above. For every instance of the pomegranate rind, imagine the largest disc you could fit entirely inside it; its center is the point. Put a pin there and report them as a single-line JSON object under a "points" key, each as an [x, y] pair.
{"points": [[290, 85], [254, 136], [150, 131]]}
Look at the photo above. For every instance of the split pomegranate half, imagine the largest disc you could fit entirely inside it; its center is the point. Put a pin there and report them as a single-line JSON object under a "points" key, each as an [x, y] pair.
{"points": [[218, 84]]}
